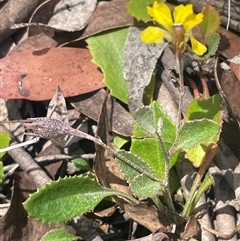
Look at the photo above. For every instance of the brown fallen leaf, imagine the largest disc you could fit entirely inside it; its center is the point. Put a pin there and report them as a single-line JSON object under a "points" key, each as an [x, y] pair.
{"points": [[229, 43], [35, 42], [72, 15], [35, 75], [90, 105], [236, 69], [108, 15], [230, 86], [12, 13]]}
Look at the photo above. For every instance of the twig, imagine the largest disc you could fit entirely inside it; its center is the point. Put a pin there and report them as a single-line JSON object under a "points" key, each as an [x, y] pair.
{"points": [[84, 227], [229, 14], [26, 162], [221, 235], [25, 143]]}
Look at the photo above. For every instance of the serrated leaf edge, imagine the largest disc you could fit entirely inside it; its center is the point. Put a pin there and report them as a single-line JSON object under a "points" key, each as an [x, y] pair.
{"points": [[216, 135]]}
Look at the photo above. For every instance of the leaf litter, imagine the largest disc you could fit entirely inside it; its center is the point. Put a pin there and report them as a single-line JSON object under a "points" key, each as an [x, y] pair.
{"points": [[22, 80]]}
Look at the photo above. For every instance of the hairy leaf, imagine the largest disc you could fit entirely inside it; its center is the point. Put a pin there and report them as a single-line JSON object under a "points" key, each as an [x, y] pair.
{"points": [[144, 118], [203, 108], [135, 177], [213, 43], [62, 200], [145, 142], [58, 234], [195, 132]]}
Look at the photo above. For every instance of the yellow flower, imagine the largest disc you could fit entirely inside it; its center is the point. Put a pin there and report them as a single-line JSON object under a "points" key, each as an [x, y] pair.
{"points": [[176, 27]]}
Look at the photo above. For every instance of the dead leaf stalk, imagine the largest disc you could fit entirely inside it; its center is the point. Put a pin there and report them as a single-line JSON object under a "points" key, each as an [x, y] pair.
{"points": [[49, 128]]}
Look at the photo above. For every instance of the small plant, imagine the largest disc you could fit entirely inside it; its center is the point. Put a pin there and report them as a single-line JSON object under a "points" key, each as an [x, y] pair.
{"points": [[157, 142]]}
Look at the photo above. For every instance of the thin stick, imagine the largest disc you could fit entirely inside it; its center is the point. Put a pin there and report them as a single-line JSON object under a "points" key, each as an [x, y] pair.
{"points": [[25, 143], [229, 14], [26, 162], [49, 128]]}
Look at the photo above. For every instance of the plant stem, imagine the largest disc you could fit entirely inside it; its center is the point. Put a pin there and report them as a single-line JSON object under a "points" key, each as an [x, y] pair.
{"points": [[180, 65], [166, 189], [212, 150], [158, 203]]}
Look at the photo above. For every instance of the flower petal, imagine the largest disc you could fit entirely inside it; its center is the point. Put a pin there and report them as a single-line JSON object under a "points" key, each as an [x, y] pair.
{"points": [[181, 13], [161, 13], [197, 47], [192, 20], [184, 15], [152, 35]]}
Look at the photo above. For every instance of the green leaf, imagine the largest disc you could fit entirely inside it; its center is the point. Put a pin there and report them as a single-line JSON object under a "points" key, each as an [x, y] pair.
{"points": [[206, 108], [213, 43], [59, 234], [145, 142], [207, 182], [144, 118], [203, 108], [140, 184], [62, 200], [196, 132], [119, 141], [107, 51], [4, 142], [81, 164], [174, 182], [168, 129], [150, 150], [149, 90], [210, 23], [196, 154], [138, 9], [1, 172]]}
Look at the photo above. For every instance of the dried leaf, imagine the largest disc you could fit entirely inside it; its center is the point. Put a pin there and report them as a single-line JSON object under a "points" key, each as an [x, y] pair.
{"points": [[13, 12], [57, 109], [230, 86], [36, 75], [139, 62], [39, 41], [108, 15], [72, 15], [229, 43], [236, 69], [121, 121]]}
